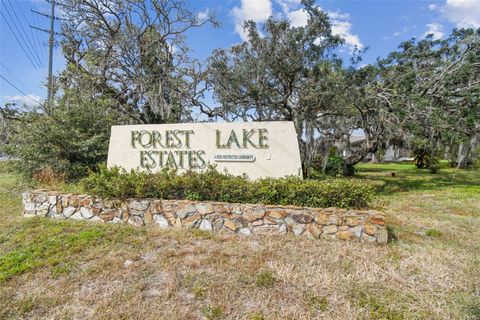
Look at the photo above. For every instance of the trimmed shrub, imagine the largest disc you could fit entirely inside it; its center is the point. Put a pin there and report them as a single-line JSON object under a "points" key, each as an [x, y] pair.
{"points": [[214, 186], [334, 165]]}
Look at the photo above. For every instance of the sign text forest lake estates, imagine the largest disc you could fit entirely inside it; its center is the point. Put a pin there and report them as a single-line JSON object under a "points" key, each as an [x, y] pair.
{"points": [[257, 149]]}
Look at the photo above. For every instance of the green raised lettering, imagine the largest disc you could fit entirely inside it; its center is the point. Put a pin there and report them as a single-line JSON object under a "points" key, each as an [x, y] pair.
{"points": [[192, 160], [175, 136], [157, 138], [171, 161], [232, 139], [200, 155], [263, 138], [135, 137], [187, 137], [146, 159], [180, 158], [148, 143], [218, 143], [247, 134]]}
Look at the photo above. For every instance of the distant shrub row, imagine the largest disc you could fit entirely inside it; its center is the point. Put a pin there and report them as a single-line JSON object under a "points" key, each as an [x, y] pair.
{"points": [[214, 186]]}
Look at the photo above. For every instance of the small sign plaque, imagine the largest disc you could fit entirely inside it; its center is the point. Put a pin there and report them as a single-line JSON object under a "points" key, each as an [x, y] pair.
{"points": [[234, 157]]}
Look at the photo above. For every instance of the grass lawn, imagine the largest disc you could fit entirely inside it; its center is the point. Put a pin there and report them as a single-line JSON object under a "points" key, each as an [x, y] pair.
{"points": [[77, 270]]}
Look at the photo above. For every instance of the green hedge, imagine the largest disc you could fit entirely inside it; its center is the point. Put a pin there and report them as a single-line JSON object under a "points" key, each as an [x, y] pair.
{"points": [[214, 186]]}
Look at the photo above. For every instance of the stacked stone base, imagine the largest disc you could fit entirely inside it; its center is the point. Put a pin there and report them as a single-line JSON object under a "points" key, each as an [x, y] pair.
{"points": [[244, 219]]}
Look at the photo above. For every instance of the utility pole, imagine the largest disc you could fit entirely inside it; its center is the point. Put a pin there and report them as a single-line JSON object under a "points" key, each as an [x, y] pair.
{"points": [[51, 33], [50, 55]]}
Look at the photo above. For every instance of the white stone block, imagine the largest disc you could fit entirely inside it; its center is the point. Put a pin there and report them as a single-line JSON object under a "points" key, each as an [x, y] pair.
{"points": [[161, 221], [86, 213], [205, 225], [244, 232]]}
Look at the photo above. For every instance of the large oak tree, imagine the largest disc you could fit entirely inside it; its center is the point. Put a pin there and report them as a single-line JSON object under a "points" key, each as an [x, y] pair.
{"points": [[134, 54]]}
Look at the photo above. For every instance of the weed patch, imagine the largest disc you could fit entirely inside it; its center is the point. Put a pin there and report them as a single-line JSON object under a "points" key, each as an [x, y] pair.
{"points": [[433, 233], [315, 302], [212, 312], [265, 279]]}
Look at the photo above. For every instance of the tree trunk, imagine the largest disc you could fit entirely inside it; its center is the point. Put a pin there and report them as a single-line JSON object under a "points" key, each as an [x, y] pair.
{"points": [[431, 161], [310, 150], [446, 153], [462, 160], [348, 169], [374, 158], [473, 149], [324, 160]]}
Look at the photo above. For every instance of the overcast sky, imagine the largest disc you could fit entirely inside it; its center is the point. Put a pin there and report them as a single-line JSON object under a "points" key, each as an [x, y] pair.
{"points": [[378, 25]]}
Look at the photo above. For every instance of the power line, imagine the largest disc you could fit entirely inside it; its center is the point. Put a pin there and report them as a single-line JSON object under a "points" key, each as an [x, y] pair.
{"points": [[35, 43], [18, 41], [26, 95], [13, 75], [52, 33], [50, 54], [37, 22], [30, 37], [25, 42], [26, 39]]}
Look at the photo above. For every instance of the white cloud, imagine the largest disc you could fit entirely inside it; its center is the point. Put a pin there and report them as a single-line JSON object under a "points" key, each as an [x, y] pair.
{"points": [[255, 10], [343, 29], [341, 26], [287, 5], [462, 13], [298, 18], [399, 33], [22, 99], [172, 47], [338, 16], [404, 31], [436, 29], [260, 10], [203, 15]]}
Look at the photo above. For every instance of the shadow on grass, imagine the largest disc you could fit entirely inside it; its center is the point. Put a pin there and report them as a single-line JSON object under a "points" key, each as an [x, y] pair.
{"points": [[409, 178]]}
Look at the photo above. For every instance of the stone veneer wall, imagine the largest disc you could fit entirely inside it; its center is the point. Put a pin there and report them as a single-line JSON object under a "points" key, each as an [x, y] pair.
{"points": [[244, 219]]}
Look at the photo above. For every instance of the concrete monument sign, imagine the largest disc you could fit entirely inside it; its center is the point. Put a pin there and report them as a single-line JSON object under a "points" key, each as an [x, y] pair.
{"points": [[257, 149]]}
